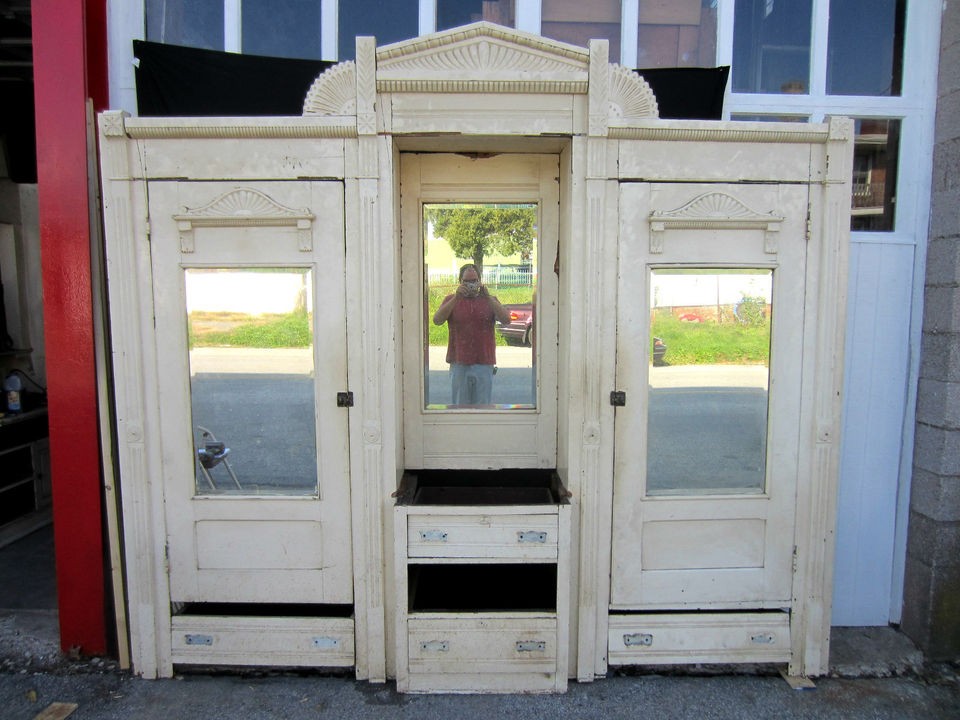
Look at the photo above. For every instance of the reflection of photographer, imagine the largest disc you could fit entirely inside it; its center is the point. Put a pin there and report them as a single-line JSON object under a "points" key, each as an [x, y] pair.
{"points": [[470, 314]]}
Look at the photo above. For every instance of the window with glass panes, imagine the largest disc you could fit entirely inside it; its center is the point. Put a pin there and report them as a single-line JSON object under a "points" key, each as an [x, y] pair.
{"points": [[769, 45]]}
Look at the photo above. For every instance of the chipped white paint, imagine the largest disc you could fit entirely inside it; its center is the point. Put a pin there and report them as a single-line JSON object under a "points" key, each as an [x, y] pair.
{"points": [[610, 172]]}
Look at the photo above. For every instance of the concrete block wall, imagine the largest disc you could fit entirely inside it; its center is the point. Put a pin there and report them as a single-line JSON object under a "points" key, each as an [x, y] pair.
{"points": [[931, 614]]}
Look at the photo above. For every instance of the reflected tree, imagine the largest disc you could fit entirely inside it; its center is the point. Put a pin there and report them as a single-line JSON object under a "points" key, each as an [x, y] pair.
{"points": [[477, 231]]}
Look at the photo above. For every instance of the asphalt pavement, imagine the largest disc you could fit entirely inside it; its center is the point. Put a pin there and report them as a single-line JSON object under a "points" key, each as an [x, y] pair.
{"points": [[875, 673], [109, 694]]}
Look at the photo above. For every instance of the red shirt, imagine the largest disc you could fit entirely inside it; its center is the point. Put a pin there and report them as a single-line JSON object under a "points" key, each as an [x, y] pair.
{"points": [[470, 326]]}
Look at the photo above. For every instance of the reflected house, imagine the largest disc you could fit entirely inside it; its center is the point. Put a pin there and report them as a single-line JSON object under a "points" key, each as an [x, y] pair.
{"points": [[874, 174]]}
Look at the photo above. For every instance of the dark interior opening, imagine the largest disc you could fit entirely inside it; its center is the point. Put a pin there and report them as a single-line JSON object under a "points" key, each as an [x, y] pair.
{"points": [[483, 588], [313, 610], [514, 486]]}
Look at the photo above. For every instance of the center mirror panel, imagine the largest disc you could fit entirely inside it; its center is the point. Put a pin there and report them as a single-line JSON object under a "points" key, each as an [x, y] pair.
{"points": [[479, 324], [479, 287]]}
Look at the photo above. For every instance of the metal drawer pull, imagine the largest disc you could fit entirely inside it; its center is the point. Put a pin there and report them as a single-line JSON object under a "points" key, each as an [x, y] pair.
{"points": [[638, 639], [326, 643], [435, 646], [763, 639], [198, 639], [531, 536], [531, 646], [433, 536]]}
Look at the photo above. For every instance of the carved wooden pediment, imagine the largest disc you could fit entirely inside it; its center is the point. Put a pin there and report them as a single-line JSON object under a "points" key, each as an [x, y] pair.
{"points": [[478, 58], [244, 207], [482, 57], [714, 210]]}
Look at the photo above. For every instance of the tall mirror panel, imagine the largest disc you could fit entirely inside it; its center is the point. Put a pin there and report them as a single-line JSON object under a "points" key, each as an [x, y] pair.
{"points": [[709, 380], [252, 380]]}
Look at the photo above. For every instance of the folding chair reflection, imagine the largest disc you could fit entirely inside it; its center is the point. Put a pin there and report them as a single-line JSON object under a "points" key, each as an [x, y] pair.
{"points": [[212, 454]]}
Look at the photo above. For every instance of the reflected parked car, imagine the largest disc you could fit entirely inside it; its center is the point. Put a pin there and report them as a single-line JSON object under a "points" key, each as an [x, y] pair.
{"points": [[659, 351], [519, 331]]}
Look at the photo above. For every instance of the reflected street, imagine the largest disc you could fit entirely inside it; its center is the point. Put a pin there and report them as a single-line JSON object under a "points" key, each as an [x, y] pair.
{"points": [[512, 385], [707, 429]]}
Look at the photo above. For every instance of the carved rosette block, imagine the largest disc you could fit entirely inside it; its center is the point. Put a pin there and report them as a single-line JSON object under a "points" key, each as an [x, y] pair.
{"points": [[334, 92], [245, 207], [112, 123], [714, 210]]}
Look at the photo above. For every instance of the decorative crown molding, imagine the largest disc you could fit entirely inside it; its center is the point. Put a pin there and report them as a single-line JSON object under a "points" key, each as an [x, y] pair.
{"points": [[482, 58], [714, 210], [244, 207], [631, 98], [334, 92]]}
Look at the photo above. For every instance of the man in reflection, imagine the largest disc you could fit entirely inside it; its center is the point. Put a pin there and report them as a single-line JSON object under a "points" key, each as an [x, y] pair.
{"points": [[470, 314]]}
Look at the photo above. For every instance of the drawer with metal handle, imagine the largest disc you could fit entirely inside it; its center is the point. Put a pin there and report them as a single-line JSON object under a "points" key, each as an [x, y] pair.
{"points": [[487, 535]]}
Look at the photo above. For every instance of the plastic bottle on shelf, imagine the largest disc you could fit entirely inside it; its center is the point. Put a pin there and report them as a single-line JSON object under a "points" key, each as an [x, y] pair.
{"points": [[11, 388]]}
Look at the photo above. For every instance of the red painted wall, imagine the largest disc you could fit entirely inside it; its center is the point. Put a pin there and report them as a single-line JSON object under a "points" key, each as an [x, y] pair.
{"points": [[69, 55]]}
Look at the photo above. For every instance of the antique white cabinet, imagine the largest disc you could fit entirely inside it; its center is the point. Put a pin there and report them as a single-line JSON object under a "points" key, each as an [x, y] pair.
{"points": [[620, 498]]}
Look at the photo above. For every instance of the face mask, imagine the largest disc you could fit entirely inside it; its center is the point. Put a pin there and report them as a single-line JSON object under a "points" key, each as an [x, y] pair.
{"points": [[472, 286]]}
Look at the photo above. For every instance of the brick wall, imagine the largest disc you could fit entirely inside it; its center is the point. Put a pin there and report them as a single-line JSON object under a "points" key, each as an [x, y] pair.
{"points": [[931, 614]]}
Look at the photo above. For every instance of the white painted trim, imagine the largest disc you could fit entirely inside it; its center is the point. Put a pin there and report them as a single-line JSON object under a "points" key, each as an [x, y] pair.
{"points": [[232, 26], [528, 14], [428, 17], [922, 57], [629, 32], [126, 21], [329, 28], [819, 40]]}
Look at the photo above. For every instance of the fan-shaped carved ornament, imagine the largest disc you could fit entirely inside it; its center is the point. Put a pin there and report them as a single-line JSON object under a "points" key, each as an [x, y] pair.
{"points": [[244, 207], [714, 210], [482, 58], [334, 92], [630, 97]]}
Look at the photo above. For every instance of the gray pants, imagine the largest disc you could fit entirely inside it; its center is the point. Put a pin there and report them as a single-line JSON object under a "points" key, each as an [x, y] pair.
{"points": [[471, 384]]}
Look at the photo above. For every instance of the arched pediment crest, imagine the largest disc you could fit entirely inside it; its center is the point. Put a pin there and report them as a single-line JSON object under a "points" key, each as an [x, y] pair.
{"points": [[631, 98], [334, 92], [244, 207], [714, 210], [482, 57]]}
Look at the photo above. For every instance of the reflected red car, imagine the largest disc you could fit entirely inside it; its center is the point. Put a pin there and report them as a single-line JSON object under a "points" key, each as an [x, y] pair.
{"points": [[519, 331]]}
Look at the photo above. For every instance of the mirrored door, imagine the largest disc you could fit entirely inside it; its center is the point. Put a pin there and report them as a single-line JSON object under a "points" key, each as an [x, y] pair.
{"points": [[250, 331], [709, 353], [479, 320]]}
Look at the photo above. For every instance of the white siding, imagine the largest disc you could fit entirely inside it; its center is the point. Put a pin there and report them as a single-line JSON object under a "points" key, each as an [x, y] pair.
{"points": [[877, 358]]}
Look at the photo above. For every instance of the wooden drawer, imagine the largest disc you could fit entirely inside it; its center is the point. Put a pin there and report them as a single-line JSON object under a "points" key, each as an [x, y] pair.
{"points": [[528, 536], [300, 641], [492, 653], [699, 638]]}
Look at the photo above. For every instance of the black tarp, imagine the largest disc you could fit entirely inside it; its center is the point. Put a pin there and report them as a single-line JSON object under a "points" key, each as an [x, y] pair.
{"points": [[181, 81], [688, 93]]}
